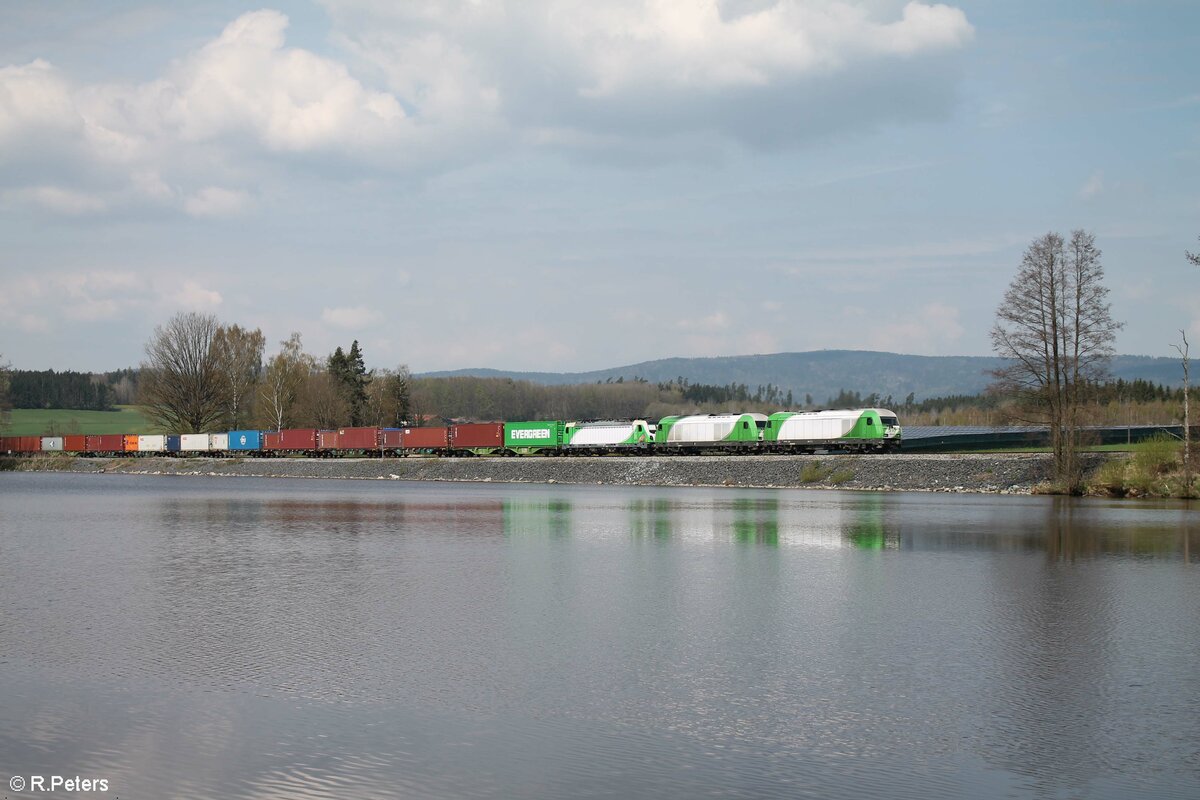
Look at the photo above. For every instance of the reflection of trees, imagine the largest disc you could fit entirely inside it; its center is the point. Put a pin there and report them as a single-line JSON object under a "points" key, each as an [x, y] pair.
{"points": [[1049, 712], [549, 517], [756, 520]]}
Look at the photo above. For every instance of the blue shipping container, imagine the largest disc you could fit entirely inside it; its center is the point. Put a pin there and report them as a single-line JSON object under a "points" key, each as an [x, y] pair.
{"points": [[173, 444], [245, 440]]}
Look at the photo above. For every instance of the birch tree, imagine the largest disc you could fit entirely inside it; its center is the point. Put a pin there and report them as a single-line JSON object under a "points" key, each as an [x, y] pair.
{"points": [[283, 377], [239, 356], [1055, 329]]}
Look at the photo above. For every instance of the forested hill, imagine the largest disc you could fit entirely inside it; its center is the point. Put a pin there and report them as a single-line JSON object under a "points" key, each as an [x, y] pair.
{"points": [[823, 373]]}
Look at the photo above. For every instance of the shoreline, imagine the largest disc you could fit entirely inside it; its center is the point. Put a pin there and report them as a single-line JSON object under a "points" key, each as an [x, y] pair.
{"points": [[1005, 473]]}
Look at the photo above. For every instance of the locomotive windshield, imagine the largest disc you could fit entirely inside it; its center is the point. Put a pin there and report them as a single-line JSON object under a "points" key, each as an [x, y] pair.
{"points": [[890, 422]]}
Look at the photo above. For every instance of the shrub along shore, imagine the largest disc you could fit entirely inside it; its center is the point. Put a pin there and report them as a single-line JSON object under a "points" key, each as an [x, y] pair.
{"points": [[1002, 473]]}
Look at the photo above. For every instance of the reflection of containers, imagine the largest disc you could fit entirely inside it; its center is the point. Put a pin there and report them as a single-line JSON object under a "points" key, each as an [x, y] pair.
{"points": [[131, 443], [218, 441], [151, 444], [75, 443], [193, 443], [477, 435], [302, 439], [359, 438], [244, 440], [327, 440], [106, 443], [173, 443], [52, 444]]}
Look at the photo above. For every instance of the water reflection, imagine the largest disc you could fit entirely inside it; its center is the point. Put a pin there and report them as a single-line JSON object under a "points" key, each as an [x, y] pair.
{"points": [[276, 638]]}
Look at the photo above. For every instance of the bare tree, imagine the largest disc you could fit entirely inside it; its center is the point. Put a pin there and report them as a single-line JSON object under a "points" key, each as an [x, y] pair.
{"points": [[181, 386], [239, 358], [1192, 257], [1056, 331], [322, 402], [389, 397], [284, 375]]}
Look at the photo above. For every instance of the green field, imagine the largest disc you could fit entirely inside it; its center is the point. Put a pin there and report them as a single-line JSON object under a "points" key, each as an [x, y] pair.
{"points": [[57, 421]]}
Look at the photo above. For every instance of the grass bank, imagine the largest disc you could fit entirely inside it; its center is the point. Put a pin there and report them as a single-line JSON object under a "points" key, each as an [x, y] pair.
{"points": [[1154, 468], [58, 421]]}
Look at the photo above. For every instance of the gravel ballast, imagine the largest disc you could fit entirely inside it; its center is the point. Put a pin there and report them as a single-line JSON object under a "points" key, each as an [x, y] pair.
{"points": [[996, 473]]}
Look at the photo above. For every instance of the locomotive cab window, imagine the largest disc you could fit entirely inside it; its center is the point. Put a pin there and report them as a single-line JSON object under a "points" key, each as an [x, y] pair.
{"points": [[870, 421]]}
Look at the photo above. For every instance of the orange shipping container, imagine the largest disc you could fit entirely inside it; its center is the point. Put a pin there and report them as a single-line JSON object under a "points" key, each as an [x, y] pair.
{"points": [[131, 443]]}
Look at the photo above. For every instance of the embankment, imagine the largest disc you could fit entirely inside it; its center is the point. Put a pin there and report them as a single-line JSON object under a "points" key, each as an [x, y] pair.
{"points": [[998, 473]]}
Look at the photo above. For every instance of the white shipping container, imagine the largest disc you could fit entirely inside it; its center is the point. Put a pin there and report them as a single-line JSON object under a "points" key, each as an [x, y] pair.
{"points": [[218, 441], [193, 442], [152, 444], [52, 444], [604, 433]]}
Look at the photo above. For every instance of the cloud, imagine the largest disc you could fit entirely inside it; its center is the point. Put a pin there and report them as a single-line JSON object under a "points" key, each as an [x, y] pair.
{"points": [[716, 321], [592, 74], [351, 318], [213, 201], [1094, 186], [932, 329], [427, 85]]}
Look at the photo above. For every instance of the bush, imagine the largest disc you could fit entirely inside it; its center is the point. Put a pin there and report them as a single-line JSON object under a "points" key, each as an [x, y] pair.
{"points": [[1157, 455]]}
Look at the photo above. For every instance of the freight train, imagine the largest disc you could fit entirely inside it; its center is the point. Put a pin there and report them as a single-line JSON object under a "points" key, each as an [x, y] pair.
{"points": [[851, 430]]}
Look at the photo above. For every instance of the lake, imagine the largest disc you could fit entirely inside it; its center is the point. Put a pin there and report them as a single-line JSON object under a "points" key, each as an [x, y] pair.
{"points": [[245, 638]]}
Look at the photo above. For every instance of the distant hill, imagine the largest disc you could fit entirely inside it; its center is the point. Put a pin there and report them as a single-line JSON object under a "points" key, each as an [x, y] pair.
{"points": [[823, 373]]}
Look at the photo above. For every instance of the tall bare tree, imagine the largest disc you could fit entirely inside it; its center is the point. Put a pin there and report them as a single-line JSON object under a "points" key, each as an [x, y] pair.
{"points": [[322, 402], [181, 386], [283, 377], [1055, 329], [239, 358], [1187, 412]]}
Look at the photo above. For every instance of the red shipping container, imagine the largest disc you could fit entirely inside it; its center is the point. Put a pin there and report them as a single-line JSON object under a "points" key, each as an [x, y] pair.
{"points": [[106, 443], [291, 439], [425, 438], [390, 438], [358, 438], [327, 440], [6, 443], [478, 434], [29, 444], [74, 443]]}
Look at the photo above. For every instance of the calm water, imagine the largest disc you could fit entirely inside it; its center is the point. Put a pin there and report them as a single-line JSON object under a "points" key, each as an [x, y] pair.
{"points": [[242, 638]]}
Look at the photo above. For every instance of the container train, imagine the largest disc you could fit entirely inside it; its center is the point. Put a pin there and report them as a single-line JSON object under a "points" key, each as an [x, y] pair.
{"points": [[852, 430]]}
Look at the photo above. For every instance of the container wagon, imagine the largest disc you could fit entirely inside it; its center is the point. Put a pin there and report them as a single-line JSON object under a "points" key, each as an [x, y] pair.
{"points": [[477, 438], [291, 440]]}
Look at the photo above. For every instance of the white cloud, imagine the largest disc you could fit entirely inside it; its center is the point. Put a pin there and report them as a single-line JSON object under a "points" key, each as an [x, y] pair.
{"points": [[351, 318], [1094, 186], [933, 329], [66, 201], [716, 321], [194, 297], [213, 201], [655, 77]]}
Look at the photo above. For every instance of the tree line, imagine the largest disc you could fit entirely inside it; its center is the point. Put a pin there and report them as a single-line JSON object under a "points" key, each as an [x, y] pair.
{"points": [[202, 375]]}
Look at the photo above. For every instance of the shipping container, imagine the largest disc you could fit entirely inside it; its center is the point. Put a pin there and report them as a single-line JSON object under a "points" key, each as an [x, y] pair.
{"points": [[152, 444], [52, 444], [389, 438], [21, 444], [358, 438], [193, 443], [477, 436], [218, 442], [327, 440], [245, 440], [291, 439], [436, 439], [75, 443], [173, 442], [533, 437], [106, 443], [131, 443]]}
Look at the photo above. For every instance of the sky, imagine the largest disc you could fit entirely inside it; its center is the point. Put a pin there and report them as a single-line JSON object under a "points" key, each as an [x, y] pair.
{"points": [[567, 186]]}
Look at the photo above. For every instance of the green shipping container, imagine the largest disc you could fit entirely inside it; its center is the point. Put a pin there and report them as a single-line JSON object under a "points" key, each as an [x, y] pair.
{"points": [[533, 437]]}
